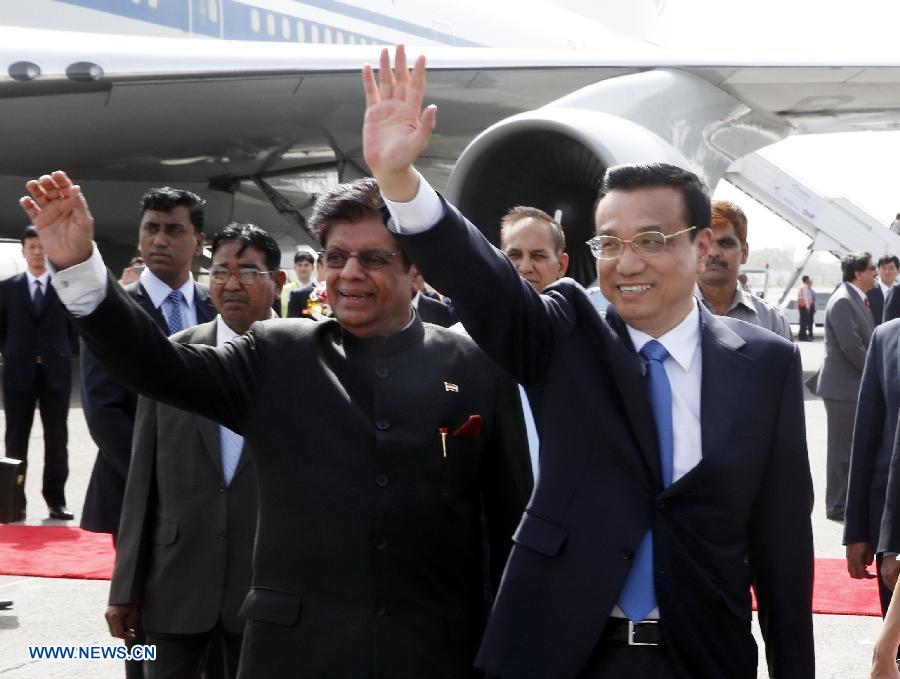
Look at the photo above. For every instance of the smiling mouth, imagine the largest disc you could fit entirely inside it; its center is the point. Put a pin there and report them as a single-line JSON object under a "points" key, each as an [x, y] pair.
{"points": [[630, 290], [355, 295]]}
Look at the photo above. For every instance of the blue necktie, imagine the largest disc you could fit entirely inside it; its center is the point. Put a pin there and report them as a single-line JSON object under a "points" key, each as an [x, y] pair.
{"points": [[175, 319], [38, 296], [638, 597], [231, 445]]}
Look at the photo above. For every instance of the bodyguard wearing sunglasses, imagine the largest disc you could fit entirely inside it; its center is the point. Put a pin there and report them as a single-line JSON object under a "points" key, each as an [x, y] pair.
{"points": [[674, 470], [390, 454]]}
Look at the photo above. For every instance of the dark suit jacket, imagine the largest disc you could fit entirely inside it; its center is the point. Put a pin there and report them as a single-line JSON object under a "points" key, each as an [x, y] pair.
{"points": [[109, 409], [185, 538], [26, 334], [741, 516], [891, 305], [876, 303], [369, 554], [298, 299], [873, 445], [432, 311]]}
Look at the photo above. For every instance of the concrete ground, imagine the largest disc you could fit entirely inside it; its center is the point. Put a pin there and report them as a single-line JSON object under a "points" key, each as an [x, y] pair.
{"points": [[70, 612]]}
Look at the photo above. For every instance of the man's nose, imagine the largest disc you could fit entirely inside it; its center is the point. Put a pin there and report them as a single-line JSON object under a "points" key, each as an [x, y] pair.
{"points": [[629, 261], [352, 268], [233, 283]]}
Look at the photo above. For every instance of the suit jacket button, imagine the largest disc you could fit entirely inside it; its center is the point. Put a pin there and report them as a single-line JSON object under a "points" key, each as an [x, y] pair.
{"points": [[627, 553], [382, 371], [380, 609], [221, 489], [380, 544], [381, 480], [382, 425]]}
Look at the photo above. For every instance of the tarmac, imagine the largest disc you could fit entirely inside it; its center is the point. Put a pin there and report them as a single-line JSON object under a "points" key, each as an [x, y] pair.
{"points": [[60, 612]]}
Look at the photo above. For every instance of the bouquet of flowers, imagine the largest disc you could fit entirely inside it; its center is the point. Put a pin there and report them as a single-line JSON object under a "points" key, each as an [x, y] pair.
{"points": [[317, 306]]}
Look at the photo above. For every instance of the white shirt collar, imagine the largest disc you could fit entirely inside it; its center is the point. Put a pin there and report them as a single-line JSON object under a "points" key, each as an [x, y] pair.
{"points": [[158, 291], [415, 300], [224, 333], [858, 291], [44, 278], [681, 341], [884, 288]]}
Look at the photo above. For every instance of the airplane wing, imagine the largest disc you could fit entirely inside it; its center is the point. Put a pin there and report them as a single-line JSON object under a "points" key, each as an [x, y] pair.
{"points": [[249, 125]]}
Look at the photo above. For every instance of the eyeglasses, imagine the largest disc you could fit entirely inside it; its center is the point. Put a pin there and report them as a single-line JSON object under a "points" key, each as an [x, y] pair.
{"points": [[220, 275], [335, 258], [645, 244]]}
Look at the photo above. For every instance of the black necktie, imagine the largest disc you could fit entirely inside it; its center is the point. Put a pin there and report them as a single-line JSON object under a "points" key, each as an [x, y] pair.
{"points": [[38, 297]]}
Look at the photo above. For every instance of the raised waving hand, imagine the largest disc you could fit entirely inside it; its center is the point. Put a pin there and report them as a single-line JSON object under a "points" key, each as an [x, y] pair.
{"points": [[59, 211]]}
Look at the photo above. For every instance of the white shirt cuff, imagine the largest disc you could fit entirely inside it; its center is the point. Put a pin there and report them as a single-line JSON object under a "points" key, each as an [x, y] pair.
{"points": [[81, 287], [419, 214]]}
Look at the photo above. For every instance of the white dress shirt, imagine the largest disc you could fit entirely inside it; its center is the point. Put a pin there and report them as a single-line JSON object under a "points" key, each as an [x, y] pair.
{"points": [[158, 292], [44, 278]]}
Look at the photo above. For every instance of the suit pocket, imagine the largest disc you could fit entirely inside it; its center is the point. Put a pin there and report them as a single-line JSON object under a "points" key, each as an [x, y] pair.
{"points": [[165, 532], [270, 605], [540, 535]]}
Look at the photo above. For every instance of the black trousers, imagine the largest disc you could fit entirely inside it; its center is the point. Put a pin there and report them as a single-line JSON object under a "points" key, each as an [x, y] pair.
{"points": [[211, 655], [617, 660], [53, 404], [807, 316]]}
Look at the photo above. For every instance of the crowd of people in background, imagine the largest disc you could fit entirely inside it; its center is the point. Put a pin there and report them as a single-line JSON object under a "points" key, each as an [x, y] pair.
{"points": [[485, 473]]}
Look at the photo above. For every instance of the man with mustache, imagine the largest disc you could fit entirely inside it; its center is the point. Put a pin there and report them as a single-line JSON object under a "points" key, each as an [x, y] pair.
{"points": [[191, 501], [718, 284]]}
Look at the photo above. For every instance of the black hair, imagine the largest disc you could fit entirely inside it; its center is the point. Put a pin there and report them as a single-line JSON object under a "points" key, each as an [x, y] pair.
{"points": [[166, 199], [853, 263], [250, 235], [304, 256], [352, 202], [655, 175], [806, 279], [887, 259], [29, 232]]}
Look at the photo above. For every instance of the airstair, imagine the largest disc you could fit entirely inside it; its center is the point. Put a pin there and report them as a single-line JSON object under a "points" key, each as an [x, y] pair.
{"points": [[835, 225]]}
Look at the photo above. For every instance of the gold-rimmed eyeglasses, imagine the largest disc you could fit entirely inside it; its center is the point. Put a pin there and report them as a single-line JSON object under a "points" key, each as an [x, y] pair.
{"points": [[645, 244]]}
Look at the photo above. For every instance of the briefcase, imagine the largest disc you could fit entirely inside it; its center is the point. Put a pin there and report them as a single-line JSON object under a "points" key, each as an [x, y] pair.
{"points": [[11, 478]]}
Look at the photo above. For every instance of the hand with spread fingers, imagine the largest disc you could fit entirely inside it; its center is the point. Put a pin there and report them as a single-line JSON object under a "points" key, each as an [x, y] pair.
{"points": [[58, 209], [396, 129]]}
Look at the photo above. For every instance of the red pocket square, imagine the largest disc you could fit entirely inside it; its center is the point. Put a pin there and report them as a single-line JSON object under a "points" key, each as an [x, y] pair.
{"points": [[470, 429]]}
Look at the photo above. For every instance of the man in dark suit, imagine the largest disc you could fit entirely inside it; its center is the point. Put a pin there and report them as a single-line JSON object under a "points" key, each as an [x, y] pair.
{"points": [[887, 274], [848, 328], [297, 300], [389, 485], [651, 517], [429, 309], [36, 343], [191, 493], [169, 237], [874, 434]]}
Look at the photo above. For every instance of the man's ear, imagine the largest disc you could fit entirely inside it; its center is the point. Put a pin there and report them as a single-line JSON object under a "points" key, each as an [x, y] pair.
{"points": [[280, 279], [201, 239], [745, 252], [702, 246], [563, 265]]}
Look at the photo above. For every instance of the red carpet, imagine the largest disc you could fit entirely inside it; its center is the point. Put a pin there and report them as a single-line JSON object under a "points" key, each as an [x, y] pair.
{"points": [[55, 552], [63, 552]]}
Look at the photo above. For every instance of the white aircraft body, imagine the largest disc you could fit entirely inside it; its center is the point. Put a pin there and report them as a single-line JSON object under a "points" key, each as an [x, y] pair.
{"points": [[261, 124]]}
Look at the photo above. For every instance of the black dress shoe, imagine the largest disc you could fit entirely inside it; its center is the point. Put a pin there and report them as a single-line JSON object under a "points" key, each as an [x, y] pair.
{"points": [[60, 512], [4, 604]]}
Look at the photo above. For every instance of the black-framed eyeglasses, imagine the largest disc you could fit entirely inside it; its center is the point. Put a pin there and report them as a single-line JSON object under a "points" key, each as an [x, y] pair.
{"points": [[220, 275], [645, 244], [335, 258]]}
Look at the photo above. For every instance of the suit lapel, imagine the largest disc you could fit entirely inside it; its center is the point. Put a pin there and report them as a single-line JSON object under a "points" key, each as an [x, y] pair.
{"points": [[627, 371], [141, 297], [724, 371], [205, 309]]}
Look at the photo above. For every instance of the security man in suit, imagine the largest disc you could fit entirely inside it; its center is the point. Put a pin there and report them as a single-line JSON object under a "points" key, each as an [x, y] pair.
{"points": [[388, 487], [651, 517], [887, 274], [169, 237], [191, 493], [848, 329], [36, 343], [874, 437], [429, 309]]}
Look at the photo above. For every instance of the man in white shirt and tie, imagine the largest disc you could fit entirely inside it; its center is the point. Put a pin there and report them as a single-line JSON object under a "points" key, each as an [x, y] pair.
{"points": [[36, 342], [191, 493]]}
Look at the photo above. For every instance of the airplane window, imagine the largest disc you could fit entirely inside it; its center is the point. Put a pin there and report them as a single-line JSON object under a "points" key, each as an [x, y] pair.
{"points": [[285, 28], [135, 2], [352, 39], [254, 20], [154, 4], [270, 23], [213, 10], [340, 37], [301, 33], [314, 33], [326, 34]]}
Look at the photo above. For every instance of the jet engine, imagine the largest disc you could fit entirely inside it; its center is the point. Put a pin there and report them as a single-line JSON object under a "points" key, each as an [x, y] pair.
{"points": [[553, 159]]}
